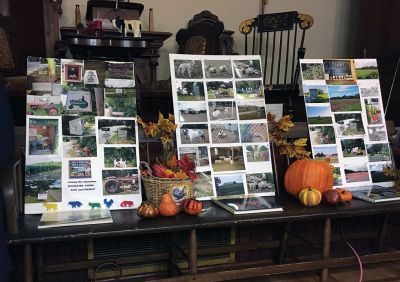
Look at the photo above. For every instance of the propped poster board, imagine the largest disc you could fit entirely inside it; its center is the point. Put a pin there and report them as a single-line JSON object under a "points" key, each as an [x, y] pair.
{"points": [[81, 136], [220, 112], [346, 120]]}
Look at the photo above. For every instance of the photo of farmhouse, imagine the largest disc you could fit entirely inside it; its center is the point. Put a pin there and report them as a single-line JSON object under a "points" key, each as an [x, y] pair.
{"points": [[349, 124], [218, 69], [315, 93], [339, 72], [326, 153], [366, 69], [344, 98], [357, 172], [220, 90], [312, 71], [319, 114], [249, 109], [192, 111], [229, 184], [378, 152], [260, 183], [353, 147], [190, 91], [227, 158]]}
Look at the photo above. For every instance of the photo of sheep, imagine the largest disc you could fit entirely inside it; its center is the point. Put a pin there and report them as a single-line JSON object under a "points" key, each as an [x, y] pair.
{"points": [[377, 172], [325, 153], [373, 111], [366, 69], [222, 110], [250, 110], [378, 152], [350, 124], [192, 111], [369, 88], [188, 69], [224, 133], [320, 135], [312, 71], [357, 172], [249, 89], [218, 69], [116, 131], [318, 115], [344, 98], [247, 68], [339, 72], [260, 183], [257, 153], [229, 184], [253, 132], [120, 157], [203, 186], [220, 89], [353, 147], [194, 134], [315, 93], [190, 91], [377, 133], [198, 154], [227, 158], [78, 125]]}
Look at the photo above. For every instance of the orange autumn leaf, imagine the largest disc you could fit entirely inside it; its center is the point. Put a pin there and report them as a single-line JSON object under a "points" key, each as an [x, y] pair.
{"points": [[180, 174], [172, 162], [285, 123]]}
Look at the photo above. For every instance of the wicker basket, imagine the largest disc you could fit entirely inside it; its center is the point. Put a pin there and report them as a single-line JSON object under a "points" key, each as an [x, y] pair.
{"points": [[179, 189]]}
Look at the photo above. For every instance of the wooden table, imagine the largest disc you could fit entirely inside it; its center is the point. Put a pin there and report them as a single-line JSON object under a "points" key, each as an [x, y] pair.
{"points": [[126, 222]]}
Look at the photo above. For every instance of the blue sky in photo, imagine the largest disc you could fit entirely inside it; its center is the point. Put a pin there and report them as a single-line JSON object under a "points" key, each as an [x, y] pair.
{"points": [[326, 150], [230, 178], [343, 90], [306, 88], [318, 111]]}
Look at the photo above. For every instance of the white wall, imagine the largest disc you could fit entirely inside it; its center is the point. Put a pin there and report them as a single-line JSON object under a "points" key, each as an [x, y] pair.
{"points": [[330, 37]]}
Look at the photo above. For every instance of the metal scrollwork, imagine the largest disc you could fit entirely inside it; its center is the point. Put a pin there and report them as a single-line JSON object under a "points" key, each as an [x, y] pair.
{"points": [[305, 21], [246, 26]]}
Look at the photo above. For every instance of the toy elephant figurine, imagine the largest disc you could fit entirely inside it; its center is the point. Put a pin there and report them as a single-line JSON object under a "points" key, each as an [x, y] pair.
{"points": [[126, 26]]}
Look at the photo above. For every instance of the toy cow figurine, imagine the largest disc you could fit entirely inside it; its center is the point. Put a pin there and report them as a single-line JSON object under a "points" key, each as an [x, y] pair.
{"points": [[126, 26]]}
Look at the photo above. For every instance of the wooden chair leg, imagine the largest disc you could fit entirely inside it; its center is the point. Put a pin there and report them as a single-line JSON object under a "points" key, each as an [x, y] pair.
{"points": [[282, 245], [192, 253], [326, 248]]}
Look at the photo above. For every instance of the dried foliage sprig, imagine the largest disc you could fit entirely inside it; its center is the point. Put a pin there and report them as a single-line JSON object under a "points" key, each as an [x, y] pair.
{"points": [[294, 149], [395, 173]]}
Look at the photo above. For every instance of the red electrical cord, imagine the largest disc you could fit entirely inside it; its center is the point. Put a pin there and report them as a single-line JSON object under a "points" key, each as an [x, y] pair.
{"points": [[355, 254]]}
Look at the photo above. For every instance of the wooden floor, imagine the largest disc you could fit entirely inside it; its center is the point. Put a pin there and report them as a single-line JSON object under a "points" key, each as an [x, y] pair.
{"points": [[382, 272]]}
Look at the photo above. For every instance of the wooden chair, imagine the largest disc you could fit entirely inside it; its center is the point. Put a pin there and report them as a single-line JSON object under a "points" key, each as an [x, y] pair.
{"points": [[279, 39]]}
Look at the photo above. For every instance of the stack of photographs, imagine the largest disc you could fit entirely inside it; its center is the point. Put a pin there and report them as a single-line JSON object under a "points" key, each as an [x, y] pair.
{"points": [[346, 120], [82, 144], [220, 112]]}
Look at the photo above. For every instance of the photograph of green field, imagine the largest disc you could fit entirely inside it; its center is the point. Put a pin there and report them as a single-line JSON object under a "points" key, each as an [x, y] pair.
{"points": [[312, 71], [366, 69], [326, 153], [319, 115], [344, 98], [229, 184], [315, 94]]}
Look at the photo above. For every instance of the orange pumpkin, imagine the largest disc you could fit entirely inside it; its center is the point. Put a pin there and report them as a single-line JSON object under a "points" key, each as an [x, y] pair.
{"points": [[167, 206], [192, 206], [345, 195], [308, 173], [310, 197], [147, 210]]}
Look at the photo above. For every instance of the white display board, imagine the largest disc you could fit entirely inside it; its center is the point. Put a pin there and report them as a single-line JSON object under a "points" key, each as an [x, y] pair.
{"points": [[220, 112], [82, 149], [346, 120]]}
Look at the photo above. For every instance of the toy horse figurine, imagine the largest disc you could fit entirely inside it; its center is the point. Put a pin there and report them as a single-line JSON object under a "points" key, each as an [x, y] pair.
{"points": [[125, 26]]}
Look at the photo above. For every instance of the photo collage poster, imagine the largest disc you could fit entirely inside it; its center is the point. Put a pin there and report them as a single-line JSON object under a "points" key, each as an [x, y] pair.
{"points": [[221, 123], [346, 119], [82, 144]]}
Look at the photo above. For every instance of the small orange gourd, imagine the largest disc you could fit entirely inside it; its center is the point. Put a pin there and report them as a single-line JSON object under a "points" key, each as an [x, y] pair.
{"points": [[345, 195], [147, 210], [308, 173], [167, 206]]}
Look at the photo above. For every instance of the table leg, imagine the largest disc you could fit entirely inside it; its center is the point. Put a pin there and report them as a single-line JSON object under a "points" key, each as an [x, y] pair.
{"points": [[382, 233], [282, 245], [326, 248], [173, 256], [193, 252], [28, 269]]}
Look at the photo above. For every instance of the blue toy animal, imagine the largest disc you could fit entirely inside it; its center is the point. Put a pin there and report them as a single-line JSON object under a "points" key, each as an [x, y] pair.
{"points": [[75, 204], [108, 203]]}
